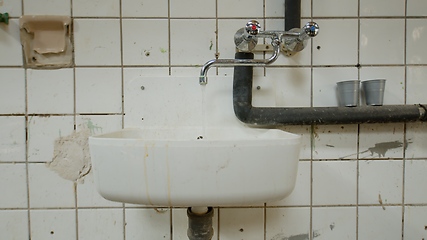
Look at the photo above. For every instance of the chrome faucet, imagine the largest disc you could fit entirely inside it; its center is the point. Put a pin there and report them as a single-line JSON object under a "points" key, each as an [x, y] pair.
{"points": [[246, 40]]}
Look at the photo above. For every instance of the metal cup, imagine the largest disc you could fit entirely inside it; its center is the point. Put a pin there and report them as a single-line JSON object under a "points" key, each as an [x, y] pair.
{"points": [[373, 91], [348, 93]]}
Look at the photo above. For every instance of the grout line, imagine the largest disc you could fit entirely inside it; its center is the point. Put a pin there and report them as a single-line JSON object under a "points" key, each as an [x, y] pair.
{"points": [[169, 38], [123, 207], [404, 124], [359, 67], [74, 116], [27, 123], [312, 131]]}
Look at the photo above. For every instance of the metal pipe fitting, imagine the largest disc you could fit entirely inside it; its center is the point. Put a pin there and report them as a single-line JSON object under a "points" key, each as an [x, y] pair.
{"points": [[277, 116], [203, 79], [200, 225]]}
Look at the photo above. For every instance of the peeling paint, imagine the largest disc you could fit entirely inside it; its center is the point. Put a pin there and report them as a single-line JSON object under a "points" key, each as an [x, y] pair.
{"points": [[71, 158]]}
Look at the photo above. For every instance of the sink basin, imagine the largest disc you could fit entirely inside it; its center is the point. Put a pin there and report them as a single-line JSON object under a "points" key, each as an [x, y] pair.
{"points": [[195, 166]]}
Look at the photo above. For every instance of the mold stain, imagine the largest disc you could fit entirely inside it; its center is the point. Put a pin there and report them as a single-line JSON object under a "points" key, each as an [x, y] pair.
{"points": [[303, 236], [93, 127], [382, 148], [211, 46], [162, 50]]}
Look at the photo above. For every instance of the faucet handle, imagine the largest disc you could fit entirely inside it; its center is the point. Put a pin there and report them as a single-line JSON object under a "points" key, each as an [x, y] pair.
{"points": [[311, 29], [252, 27]]}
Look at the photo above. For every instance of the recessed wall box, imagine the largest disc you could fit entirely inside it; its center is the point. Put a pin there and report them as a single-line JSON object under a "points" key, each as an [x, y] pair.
{"points": [[46, 41]]}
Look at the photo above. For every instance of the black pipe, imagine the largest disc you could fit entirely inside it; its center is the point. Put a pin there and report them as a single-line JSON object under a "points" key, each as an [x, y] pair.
{"points": [[292, 14], [245, 112], [200, 225]]}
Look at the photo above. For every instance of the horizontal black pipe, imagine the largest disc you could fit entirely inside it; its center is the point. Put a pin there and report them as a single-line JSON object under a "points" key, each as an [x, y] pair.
{"points": [[292, 14], [245, 112]]}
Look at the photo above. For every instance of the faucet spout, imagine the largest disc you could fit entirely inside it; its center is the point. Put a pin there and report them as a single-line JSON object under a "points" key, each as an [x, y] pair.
{"points": [[203, 79]]}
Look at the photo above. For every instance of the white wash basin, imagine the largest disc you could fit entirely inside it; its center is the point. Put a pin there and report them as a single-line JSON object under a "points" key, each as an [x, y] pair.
{"points": [[194, 166]]}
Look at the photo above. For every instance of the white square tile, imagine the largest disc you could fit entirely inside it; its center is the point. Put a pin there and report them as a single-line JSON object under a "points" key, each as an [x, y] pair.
{"points": [[13, 8], [12, 92], [145, 8], [341, 8], [200, 45], [382, 41], [180, 224], [88, 196], [97, 42], [289, 87], [325, 84], [335, 141], [50, 91], [142, 48], [342, 51], [240, 9], [14, 224], [334, 182], [98, 91], [381, 140], [394, 92], [241, 223], [416, 135], [377, 223], [287, 223], [380, 182], [416, 84], [416, 36], [147, 224], [192, 8], [97, 8], [48, 189], [185, 112], [415, 222], [301, 58], [382, 8], [53, 224], [305, 132], [415, 179], [100, 224], [47, 7], [301, 193], [99, 124], [334, 223], [132, 72], [13, 186], [226, 30], [416, 8], [42, 133], [10, 44], [12, 145]]}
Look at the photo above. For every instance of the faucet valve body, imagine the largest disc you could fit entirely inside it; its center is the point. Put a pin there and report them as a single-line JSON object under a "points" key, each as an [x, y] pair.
{"points": [[246, 39]]}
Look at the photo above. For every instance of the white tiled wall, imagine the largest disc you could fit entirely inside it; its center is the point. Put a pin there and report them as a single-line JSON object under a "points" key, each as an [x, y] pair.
{"points": [[361, 182]]}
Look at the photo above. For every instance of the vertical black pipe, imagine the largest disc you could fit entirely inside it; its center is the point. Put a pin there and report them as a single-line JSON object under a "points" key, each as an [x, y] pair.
{"points": [[292, 14]]}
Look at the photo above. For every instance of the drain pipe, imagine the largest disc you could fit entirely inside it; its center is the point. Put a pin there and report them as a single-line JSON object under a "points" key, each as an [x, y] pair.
{"points": [[245, 112], [200, 223], [292, 14]]}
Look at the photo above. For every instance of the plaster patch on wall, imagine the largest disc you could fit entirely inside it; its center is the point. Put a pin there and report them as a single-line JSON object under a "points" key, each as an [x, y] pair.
{"points": [[71, 158]]}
